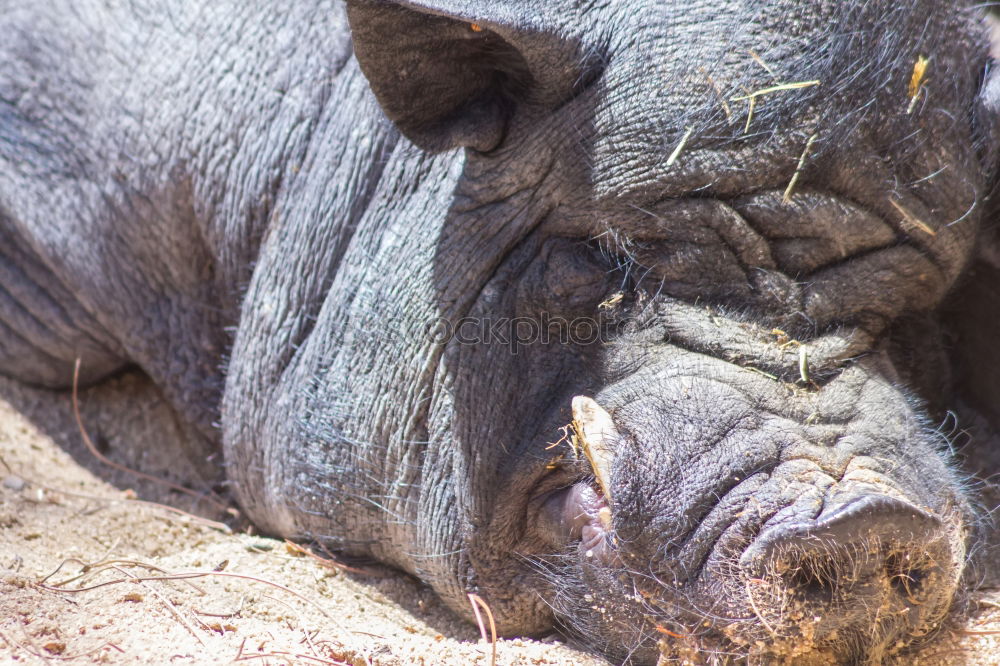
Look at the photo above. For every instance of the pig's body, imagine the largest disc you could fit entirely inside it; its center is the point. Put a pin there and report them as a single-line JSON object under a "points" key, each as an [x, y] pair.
{"points": [[731, 225]]}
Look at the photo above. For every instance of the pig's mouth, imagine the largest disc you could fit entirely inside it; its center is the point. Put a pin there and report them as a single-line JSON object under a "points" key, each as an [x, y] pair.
{"points": [[579, 514], [861, 576], [580, 511]]}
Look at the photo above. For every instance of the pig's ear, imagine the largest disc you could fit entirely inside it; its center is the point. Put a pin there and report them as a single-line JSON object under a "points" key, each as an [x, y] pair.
{"points": [[448, 73]]}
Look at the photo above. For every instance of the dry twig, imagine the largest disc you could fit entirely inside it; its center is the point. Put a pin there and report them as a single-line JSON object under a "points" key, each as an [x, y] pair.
{"points": [[911, 219], [778, 88], [103, 565], [680, 147], [718, 93], [325, 562], [166, 602], [760, 61], [478, 603], [187, 575], [787, 198], [917, 80], [290, 656]]}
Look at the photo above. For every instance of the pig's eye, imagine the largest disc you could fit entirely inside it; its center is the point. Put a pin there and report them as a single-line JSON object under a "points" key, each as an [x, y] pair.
{"points": [[622, 270], [475, 27], [567, 277]]}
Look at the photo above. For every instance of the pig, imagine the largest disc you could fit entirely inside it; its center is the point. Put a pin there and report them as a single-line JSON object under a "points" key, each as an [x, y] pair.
{"points": [[635, 319]]}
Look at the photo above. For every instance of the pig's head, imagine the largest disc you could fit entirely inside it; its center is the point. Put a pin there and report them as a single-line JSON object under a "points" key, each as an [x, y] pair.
{"points": [[688, 261]]}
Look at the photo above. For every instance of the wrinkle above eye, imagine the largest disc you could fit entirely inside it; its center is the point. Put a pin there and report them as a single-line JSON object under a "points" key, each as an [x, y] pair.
{"points": [[822, 257], [715, 241], [815, 229]]}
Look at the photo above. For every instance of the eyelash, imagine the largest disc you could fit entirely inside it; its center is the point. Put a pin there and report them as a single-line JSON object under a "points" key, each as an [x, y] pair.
{"points": [[618, 262]]}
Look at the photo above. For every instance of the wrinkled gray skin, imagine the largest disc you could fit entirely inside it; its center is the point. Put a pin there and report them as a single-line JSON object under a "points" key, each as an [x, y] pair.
{"points": [[267, 218]]}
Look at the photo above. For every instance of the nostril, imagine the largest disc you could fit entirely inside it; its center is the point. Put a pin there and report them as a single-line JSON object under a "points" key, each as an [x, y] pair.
{"points": [[906, 575], [810, 578], [836, 571]]}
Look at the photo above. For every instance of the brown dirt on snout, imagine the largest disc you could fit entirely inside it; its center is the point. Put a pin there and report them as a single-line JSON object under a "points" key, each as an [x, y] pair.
{"points": [[88, 575]]}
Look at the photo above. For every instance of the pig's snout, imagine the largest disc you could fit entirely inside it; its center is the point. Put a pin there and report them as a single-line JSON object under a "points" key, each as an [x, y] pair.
{"points": [[876, 564]]}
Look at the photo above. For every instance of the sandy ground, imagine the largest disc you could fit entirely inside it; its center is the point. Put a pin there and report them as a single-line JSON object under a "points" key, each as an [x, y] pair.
{"points": [[88, 574]]}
